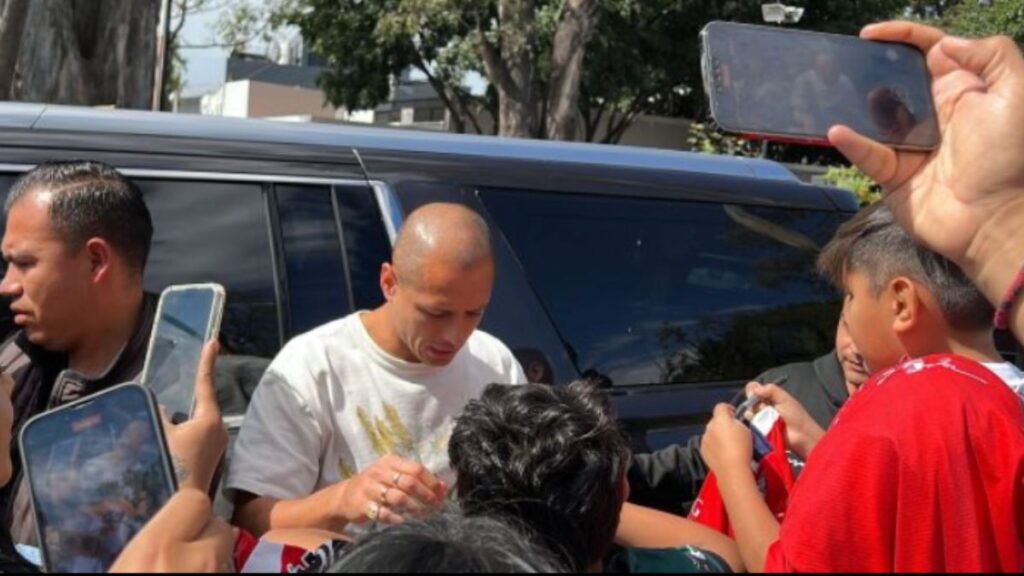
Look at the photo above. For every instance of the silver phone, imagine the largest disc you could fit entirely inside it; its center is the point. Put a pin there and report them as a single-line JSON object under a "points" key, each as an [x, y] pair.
{"points": [[187, 317]]}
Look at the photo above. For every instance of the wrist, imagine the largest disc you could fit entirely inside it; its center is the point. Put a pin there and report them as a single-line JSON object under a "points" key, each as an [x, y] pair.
{"points": [[737, 482], [336, 508], [731, 468], [996, 253], [806, 442]]}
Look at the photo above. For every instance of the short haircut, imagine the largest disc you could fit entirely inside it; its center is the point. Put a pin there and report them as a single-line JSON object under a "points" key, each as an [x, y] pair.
{"points": [[453, 232], [91, 200], [874, 244], [447, 542], [551, 459]]}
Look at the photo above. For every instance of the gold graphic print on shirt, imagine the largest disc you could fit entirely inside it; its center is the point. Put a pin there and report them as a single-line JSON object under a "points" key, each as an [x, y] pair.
{"points": [[389, 435]]}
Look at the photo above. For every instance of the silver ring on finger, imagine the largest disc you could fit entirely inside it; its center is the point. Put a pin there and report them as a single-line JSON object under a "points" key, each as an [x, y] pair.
{"points": [[396, 479], [373, 511], [384, 495]]}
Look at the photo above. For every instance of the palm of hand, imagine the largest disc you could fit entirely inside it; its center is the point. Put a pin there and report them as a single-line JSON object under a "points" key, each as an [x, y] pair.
{"points": [[946, 195]]}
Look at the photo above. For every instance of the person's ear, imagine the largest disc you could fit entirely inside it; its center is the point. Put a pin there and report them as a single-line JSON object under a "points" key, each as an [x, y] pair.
{"points": [[388, 281], [905, 304], [100, 256]]}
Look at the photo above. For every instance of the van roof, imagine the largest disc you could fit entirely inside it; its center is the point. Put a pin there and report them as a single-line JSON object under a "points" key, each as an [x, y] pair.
{"points": [[351, 136]]}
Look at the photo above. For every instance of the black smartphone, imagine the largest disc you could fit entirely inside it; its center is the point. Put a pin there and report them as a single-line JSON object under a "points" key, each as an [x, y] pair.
{"points": [[793, 85], [187, 317], [98, 470]]}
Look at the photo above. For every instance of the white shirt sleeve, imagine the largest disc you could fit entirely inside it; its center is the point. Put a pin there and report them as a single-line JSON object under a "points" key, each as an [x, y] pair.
{"points": [[277, 452]]}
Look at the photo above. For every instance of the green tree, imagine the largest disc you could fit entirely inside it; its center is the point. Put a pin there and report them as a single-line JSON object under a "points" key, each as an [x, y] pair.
{"points": [[530, 51], [547, 62], [852, 179], [972, 18]]}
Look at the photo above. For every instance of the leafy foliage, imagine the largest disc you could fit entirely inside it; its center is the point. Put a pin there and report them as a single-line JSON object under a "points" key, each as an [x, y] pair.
{"points": [[852, 179]]}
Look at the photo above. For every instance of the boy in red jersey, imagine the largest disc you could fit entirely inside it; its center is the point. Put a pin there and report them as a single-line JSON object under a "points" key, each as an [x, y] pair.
{"points": [[923, 469]]}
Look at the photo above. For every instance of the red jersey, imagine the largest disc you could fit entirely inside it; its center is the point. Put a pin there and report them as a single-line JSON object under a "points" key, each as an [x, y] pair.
{"points": [[922, 471]]}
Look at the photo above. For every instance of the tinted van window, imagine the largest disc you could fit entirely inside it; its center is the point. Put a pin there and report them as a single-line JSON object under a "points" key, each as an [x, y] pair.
{"points": [[317, 290], [366, 243], [651, 291], [217, 232]]}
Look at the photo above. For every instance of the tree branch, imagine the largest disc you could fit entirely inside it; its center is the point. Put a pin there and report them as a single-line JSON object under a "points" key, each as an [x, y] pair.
{"points": [[616, 130], [495, 67]]}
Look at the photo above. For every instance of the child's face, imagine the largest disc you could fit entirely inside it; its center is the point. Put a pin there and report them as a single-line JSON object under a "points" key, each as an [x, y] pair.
{"points": [[869, 321]]}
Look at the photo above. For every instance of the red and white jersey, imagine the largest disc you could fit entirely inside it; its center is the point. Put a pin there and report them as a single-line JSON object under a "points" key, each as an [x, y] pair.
{"points": [[921, 471]]}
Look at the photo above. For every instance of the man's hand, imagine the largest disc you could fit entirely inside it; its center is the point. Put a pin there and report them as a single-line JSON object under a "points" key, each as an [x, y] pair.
{"points": [[965, 199], [198, 445], [726, 445], [802, 432], [389, 490], [183, 537]]}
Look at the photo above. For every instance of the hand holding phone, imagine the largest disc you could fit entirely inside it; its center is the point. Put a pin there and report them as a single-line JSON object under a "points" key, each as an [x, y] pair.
{"points": [[187, 317], [198, 445], [794, 85], [184, 537]]}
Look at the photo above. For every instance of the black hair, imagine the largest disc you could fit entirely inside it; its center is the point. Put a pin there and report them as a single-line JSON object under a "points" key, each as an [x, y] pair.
{"points": [[873, 243], [88, 200], [446, 543], [552, 459]]}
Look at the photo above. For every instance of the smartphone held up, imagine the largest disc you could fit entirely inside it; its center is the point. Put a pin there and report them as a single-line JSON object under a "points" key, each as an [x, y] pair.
{"points": [[793, 85], [187, 317], [98, 470]]}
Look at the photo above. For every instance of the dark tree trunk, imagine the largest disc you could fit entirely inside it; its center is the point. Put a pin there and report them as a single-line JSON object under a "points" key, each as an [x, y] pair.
{"points": [[13, 14], [89, 52], [579, 19]]}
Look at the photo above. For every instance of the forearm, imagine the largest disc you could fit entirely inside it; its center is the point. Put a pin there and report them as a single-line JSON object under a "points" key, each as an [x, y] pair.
{"points": [[809, 439], [262, 514], [641, 527], [996, 255], [668, 478], [752, 522], [307, 539]]}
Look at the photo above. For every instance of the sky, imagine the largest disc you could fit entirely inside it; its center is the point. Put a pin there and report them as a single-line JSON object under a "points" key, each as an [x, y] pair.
{"points": [[205, 68]]}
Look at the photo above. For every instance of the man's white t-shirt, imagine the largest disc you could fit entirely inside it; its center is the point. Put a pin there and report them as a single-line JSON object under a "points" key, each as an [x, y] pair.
{"points": [[333, 403]]}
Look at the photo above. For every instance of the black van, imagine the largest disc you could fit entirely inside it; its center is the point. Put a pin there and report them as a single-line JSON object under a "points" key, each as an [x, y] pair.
{"points": [[674, 277]]}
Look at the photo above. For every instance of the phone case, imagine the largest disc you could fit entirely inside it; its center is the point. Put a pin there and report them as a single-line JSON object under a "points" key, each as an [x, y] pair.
{"points": [[212, 330], [711, 82], [168, 466]]}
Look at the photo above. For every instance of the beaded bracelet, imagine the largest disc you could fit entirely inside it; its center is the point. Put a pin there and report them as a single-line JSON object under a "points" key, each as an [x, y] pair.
{"points": [[1002, 319]]}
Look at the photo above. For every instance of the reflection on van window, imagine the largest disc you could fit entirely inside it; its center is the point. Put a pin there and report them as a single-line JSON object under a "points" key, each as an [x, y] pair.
{"points": [[366, 243], [651, 291], [317, 291], [217, 232]]}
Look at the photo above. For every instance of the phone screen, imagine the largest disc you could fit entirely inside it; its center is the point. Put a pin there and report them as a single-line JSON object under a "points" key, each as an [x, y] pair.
{"points": [[793, 84], [188, 317], [98, 471]]}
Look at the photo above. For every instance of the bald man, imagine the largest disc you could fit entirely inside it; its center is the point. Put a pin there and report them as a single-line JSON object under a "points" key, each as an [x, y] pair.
{"points": [[350, 423]]}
